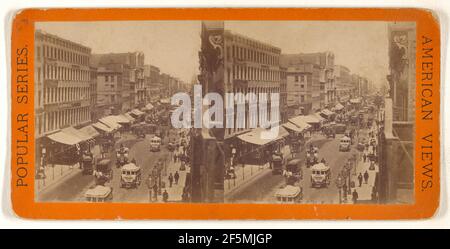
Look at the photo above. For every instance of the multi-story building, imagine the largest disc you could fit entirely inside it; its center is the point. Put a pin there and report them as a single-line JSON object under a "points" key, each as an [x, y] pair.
{"points": [[310, 80], [174, 85], [129, 64], [359, 86], [230, 64], [343, 82], [152, 83], [93, 87], [397, 138], [109, 88], [356, 85], [140, 89], [364, 90], [284, 112], [303, 87], [62, 83], [165, 81], [250, 66]]}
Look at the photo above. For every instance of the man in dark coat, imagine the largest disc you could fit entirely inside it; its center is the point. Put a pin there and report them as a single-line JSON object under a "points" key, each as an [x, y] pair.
{"points": [[170, 180], [366, 177], [176, 177], [165, 196], [360, 179], [355, 196]]}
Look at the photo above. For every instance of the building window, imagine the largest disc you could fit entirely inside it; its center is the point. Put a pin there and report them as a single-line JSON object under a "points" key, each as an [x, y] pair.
{"points": [[296, 78], [106, 78]]}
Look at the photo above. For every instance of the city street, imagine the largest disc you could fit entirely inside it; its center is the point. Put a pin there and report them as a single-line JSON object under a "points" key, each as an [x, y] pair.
{"points": [[135, 106], [264, 187], [73, 187]]}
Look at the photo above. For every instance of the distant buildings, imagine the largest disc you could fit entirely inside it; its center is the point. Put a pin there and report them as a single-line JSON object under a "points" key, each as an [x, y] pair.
{"points": [[360, 85], [109, 91], [128, 84], [343, 83], [310, 81], [153, 84]]}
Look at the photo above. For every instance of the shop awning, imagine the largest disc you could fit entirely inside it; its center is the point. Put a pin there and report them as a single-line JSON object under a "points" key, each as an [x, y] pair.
{"points": [[121, 119], [292, 127], [318, 116], [91, 131], [110, 121], [300, 122], [64, 138], [339, 107], [313, 119], [77, 133], [129, 117], [255, 137], [137, 112], [355, 101], [102, 127], [327, 112], [148, 106]]}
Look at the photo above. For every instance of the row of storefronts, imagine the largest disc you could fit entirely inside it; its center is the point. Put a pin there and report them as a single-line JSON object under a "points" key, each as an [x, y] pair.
{"points": [[251, 148], [66, 146]]}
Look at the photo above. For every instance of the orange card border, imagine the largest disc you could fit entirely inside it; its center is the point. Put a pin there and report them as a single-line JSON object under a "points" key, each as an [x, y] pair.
{"points": [[426, 199]]}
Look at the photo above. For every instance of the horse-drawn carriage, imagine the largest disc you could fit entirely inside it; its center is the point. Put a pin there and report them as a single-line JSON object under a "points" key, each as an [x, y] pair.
{"points": [[103, 172], [293, 172], [311, 158], [329, 130], [87, 163], [121, 156], [277, 164]]}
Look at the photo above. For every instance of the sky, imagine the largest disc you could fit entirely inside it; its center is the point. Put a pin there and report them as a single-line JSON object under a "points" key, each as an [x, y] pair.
{"points": [[360, 46], [170, 45], [173, 45]]}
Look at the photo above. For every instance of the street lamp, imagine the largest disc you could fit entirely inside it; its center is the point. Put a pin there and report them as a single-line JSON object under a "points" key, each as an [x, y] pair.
{"points": [[340, 184], [347, 170]]}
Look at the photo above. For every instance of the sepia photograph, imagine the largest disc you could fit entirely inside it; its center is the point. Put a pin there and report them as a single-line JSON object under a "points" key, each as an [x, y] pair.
{"points": [[276, 112]]}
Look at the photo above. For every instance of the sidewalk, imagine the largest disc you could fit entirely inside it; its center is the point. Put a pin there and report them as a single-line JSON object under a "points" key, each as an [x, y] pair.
{"points": [[248, 173], [176, 191], [55, 173], [365, 191]]}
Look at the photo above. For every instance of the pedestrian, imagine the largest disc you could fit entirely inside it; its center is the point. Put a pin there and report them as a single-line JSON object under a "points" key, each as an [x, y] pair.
{"points": [[165, 196], [170, 180], [360, 179], [366, 177], [174, 157], [184, 196], [344, 189], [364, 157], [176, 177], [355, 196]]}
